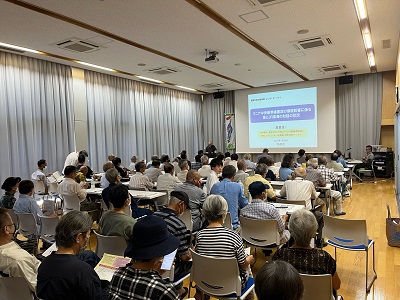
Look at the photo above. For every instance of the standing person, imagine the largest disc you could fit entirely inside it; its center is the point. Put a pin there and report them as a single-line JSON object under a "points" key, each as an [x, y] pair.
{"points": [[210, 147], [216, 168], [62, 275], [10, 185], [72, 158], [39, 174], [150, 242]]}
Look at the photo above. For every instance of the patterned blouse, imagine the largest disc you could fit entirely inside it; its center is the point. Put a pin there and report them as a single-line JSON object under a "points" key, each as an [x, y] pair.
{"points": [[8, 200]]}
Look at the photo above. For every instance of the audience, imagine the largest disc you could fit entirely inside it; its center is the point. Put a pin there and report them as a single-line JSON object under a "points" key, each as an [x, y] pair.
{"points": [[234, 160], [177, 205], [117, 164], [302, 157], [334, 164], [249, 163], [241, 174], [10, 186], [341, 159], [154, 157], [232, 192], [164, 159], [301, 189], [25, 203], [278, 280], [81, 175], [184, 169], [259, 208], [219, 241], [150, 242], [272, 170], [110, 157], [216, 169], [15, 262], [62, 275], [307, 260], [264, 154], [139, 180], [192, 188], [205, 169], [167, 181], [227, 158], [154, 171], [39, 174], [103, 180], [115, 222], [313, 175], [287, 166], [197, 158], [259, 175], [81, 163], [132, 164]]}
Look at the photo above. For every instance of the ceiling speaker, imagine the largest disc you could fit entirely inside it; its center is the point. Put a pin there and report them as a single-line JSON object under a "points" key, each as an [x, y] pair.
{"points": [[218, 95], [345, 79]]}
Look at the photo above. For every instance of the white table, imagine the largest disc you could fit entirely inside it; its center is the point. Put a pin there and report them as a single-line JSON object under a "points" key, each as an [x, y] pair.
{"points": [[146, 194], [94, 191], [287, 209], [352, 164]]}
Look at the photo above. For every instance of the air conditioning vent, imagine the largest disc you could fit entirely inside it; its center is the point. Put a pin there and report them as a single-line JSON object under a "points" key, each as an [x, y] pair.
{"points": [[276, 82], [265, 2], [76, 45], [386, 44], [11, 50], [312, 43], [332, 68], [163, 71], [212, 85]]}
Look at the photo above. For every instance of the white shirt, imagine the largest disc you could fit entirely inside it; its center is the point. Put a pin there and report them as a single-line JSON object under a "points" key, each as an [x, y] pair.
{"points": [[167, 182], [40, 176], [211, 180], [182, 175], [153, 173], [205, 171], [299, 189], [18, 263], [71, 160], [103, 181], [234, 163], [70, 187]]}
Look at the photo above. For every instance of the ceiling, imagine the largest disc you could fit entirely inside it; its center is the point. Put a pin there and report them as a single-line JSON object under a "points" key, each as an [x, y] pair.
{"points": [[174, 34]]}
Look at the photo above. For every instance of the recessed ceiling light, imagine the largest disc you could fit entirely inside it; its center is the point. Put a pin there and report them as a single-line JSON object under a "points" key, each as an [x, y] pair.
{"points": [[94, 66], [19, 48], [303, 31], [141, 65], [149, 79], [185, 88]]}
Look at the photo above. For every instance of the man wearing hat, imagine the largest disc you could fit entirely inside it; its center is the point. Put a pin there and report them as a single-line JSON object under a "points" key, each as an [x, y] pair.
{"points": [[150, 242], [177, 205], [259, 208], [10, 185]]}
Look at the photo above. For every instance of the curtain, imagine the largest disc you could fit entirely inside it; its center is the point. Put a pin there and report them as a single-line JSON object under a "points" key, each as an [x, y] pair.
{"points": [[359, 113], [127, 117], [213, 118], [36, 115]]}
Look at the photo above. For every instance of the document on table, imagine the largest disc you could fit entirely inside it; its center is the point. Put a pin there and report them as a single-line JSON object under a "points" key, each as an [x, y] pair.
{"points": [[168, 261], [109, 264]]}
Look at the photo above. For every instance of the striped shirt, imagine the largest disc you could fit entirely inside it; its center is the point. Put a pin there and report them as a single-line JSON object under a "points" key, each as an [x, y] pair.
{"points": [[327, 174], [139, 181], [176, 227], [128, 283], [222, 242]]}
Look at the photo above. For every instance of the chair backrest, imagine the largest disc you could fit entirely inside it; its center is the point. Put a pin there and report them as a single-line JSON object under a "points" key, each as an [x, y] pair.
{"points": [[317, 287], [13, 216], [261, 233], [39, 186], [48, 227], [27, 224], [296, 202], [228, 221], [14, 288], [71, 203], [186, 217], [53, 187], [215, 276], [109, 244], [345, 232], [163, 200]]}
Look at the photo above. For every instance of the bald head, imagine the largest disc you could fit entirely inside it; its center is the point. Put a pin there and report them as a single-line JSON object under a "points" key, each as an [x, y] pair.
{"points": [[108, 165], [300, 172], [192, 176], [84, 170]]}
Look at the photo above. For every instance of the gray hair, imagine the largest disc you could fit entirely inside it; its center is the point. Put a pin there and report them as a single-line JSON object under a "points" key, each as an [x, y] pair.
{"points": [[111, 175], [183, 163], [108, 165], [204, 160], [215, 207], [70, 226], [247, 156], [241, 164], [302, 226], [312, 163], [261, 169], [300, 172]]}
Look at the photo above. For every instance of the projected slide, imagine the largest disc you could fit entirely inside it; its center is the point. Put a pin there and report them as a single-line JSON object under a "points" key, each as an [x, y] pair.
{"points": [[283, 119]]}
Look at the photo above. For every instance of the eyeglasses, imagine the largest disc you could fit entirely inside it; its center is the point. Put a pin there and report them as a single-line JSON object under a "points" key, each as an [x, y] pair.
{"points": [[12, 224]]}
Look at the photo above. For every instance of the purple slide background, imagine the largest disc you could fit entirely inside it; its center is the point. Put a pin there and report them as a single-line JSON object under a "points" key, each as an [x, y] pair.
{"points": [[283, 113]]}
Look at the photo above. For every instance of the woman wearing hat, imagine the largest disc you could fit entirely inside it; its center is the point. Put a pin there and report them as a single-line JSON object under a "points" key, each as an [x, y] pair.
{"points": [[150, 242], [10, 185]]}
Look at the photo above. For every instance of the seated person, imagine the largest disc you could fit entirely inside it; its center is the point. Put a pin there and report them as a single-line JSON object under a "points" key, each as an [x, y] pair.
{"points": [[313, 175], [167, 181], [205, 169], [249, 163], [117, 164], [132, 164], [184, 169], [269, 162], [15, 261], [265, 154], [227, 158], [278, 280], [25, 203], [366, 160], [115, 222], [259, 175], [114, 178], [234, 160], [39, 175], [216, 169], [10, 185], [140, 180], [259, 208], [150, 242], [219, 241], [177, 205], [62, 275], [103, 181], [82, 162], [197, 158], [287, 166], [241, 174], [334, 164], [303, 227], [153, 172], [81, 175], [154, 157], [302, 157], [341, 158]]}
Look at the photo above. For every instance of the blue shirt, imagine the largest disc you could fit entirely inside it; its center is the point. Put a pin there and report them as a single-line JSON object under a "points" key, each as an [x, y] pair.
{"points": [[342, 161], [27, 205], [284, 173], [233, 194]]}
